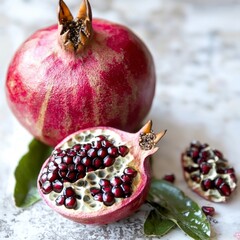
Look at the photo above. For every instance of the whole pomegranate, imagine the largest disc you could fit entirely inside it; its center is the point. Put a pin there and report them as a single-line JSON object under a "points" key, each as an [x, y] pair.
{"points": [[80, 73], [99, 175]]}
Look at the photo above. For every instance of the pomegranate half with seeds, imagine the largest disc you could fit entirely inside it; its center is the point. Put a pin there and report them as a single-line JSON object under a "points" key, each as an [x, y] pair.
{"points": [[81, 73], [99, 175], [208, 173]]}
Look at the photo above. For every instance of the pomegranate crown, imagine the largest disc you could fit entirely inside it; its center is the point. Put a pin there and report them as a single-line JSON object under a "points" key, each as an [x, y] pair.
{"points": [[147, 138], [74, 34]]}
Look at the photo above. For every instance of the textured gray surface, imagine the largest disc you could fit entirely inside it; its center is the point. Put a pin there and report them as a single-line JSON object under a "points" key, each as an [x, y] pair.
{"points": [[196, 48]]}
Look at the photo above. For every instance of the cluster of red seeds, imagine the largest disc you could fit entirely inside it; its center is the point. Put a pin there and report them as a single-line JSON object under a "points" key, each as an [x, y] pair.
{"points": [[117, 187], [200, 155], [72, 164]]}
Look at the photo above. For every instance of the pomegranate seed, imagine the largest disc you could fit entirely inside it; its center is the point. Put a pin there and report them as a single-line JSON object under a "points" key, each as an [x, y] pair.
{"points": [[97, 162], [106, 143], [208, 211], [82, 153], [98, 197], [90, 169], [194, 155], [68, 160], [69, 192], [70, 202], [116, 181], [107, 188], [80, 167], [108, 161], [77, 159], [218, 153], [220, 170], [233, 177], [86, 146], [207, 184], [205, 167], [200, 160], [62, 173], [96, 144], [229, 170], [123, 150], [57, 186], [169, 178], [47, 187], [94, 191], [52, 176], [218, 181], [80, 175], [57, 151], [52, 166], [117, 191], [113, 151], [60, 200], [58, 160], [43, 178], [92, 153], [71, 152], [71, 167], [102, 152], [196, 178], [104, 182], [61, 154], [72, 176], [126, 189], [108, 198], [225, 189], [76, 147], [86, 161], [130, 172], [63, 166], [206, 154], [126, 178]]}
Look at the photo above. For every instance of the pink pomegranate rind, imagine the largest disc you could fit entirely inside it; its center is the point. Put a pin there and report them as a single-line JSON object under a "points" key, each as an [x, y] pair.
{"points": [[54, 92], [124, 207]]}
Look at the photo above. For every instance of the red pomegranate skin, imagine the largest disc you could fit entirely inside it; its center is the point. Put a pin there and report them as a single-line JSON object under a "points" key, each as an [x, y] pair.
{"points": [[54, 93]]}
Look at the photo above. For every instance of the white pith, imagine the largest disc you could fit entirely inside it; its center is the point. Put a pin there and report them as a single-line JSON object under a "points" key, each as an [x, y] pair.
{"points": [[212, 174], [82, 187]]}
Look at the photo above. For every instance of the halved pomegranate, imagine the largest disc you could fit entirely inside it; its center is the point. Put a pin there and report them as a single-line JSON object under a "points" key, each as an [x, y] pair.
{"points": [[208, 173], [99, 175]]}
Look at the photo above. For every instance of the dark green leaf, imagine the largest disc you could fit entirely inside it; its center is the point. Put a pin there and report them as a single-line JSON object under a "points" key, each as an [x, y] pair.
{"points": [[176, 206], [26, 173], [156, 225]]}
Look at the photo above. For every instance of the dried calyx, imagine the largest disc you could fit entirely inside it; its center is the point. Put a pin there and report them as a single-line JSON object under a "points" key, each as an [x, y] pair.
{"points": [[99, 175], [75, 34], [208, 173]]}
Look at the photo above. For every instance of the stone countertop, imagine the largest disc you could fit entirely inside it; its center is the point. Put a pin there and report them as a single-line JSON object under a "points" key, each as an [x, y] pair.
{"points": [[196, 48]]}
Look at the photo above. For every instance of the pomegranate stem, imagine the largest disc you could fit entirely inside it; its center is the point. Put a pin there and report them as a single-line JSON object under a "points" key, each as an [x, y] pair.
{"points": [[74, 34]]}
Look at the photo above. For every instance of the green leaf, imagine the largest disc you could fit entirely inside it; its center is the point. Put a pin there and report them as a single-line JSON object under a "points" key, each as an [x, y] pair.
{"points": [[174, 205], [156, 225], [26, 173]]}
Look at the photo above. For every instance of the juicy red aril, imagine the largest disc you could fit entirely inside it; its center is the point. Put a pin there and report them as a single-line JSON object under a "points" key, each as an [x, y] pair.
{"points": [[116, 181], [96, 144], [107, 189], [68, 159], [71, 176], [126, 189], [123, 150], [57, 186], [80, 168], [225, 189], [63, 166], [69, 192], [94, 191], [47, 187], [130, 172], [169, 178], [196, 178], [117, 191], [195, 155], [207, 184], [76, 147], [205, 168], [98, 197], [108, 161], [97, 162], [102, 152], [113, 151], [218, 153], [86, 161], [104, 183], [106, 143], [52, 176], [43, 178], [86, 146], [60, 200], [229, 170], [92, 153], [70, 202], [108, 198], [218, 181], [208, 211], [126, 178]]}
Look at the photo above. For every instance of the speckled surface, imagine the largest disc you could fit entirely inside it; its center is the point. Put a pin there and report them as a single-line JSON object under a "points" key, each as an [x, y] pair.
{"points": [[196, 48]]}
